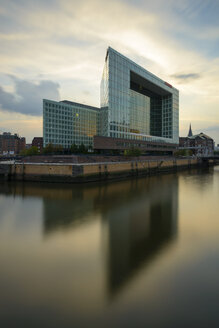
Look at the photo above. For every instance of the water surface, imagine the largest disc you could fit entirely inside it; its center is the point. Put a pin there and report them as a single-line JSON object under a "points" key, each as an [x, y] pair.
{"points": [[136, 253]]}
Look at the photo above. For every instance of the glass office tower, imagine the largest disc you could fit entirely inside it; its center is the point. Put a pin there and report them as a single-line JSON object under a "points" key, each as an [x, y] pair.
{"points": [[137, 104], [137, 110], [66, 123]]}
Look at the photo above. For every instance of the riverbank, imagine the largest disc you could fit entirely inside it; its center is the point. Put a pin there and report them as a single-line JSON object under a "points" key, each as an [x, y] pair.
{"points": [[94, 172]]}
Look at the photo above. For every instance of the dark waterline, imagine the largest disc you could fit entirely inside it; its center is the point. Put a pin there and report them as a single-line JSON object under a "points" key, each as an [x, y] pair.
{"points": [[137, 253]]}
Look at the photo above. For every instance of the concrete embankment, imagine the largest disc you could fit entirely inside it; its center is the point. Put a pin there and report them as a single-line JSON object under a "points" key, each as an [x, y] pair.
{"points": [[85, 172]]}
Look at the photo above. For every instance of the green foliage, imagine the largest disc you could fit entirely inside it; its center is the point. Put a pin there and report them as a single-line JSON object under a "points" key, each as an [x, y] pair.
{"points": [[183, 152], [132, 152], [216, 152], [82, 149], [50, 148], [30, 152], [74, 148], [79, 149]]}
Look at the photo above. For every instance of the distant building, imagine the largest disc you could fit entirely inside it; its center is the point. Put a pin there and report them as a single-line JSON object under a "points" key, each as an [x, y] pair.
{"points": [[38, 142], [200, 144], [28, 145], [11, 144]]}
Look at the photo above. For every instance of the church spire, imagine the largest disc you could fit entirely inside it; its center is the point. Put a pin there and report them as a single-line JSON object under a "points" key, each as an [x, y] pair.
{"points": [[190, 131]]}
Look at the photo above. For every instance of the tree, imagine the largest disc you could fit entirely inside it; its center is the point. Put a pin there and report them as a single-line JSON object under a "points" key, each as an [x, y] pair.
{"points": [[50, 148], [82, 149], [183, 152], [30, 152], [58, 149], [74, 148], [132, 152]]}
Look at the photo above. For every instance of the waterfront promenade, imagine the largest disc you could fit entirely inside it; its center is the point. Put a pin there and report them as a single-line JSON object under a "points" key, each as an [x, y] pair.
{"points": [[66, 171]]}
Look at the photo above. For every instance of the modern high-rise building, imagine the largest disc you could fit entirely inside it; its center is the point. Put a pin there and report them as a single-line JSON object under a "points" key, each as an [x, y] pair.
{"points": [[139, 105], [138, 109]]}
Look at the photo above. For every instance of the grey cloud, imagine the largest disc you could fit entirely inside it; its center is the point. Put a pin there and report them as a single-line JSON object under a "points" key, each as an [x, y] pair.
{"points": [[212, 128], [213, 132], [190, 76], [28, 96]]}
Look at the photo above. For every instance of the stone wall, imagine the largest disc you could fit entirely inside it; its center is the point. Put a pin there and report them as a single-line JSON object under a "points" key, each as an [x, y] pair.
{"points": [[67, 172]]}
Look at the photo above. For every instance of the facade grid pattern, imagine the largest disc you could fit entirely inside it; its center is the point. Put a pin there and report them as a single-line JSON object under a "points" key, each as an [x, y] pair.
{"points": [[65, 124], [117, 97], [135, 105]]}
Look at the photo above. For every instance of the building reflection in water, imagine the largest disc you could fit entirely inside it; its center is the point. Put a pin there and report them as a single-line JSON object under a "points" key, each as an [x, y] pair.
{"points": [[138, 218], [140, 228]]}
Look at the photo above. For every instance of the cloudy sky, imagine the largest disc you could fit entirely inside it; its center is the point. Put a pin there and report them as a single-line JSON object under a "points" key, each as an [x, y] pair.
{"points": [[56, 48]]}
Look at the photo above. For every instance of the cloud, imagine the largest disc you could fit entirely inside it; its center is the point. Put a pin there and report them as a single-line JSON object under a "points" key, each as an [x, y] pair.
{"points": [[212, 131], [28, 96], [25, 125], [68, 43], [186, 77], [198, 125], [212, 128]]}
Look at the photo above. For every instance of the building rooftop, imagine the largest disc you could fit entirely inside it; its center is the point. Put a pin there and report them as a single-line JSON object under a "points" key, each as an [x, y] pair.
{"points": [[200, 135], [67, 102], [166, 85]]}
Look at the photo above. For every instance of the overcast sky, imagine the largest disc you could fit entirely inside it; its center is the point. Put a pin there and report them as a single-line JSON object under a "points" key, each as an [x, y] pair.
{"points": [[56, 49]]}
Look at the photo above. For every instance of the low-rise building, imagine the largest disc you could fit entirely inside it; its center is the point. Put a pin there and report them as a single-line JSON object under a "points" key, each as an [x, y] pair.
{"points": [[216, 148], [38, 142], [11, 144], [200, 144]]}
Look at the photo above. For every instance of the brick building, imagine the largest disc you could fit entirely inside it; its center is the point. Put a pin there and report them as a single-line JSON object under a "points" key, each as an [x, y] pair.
{"points": [[11, 144], [38, 142], [200, 144]]}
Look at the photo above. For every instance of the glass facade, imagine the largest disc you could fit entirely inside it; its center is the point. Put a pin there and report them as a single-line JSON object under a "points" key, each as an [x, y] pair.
{"points": [[135, 104], [138, 104], [139, 113], [66, 123]]}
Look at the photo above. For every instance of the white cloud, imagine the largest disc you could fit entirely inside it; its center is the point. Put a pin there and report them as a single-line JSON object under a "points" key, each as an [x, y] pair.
{"points": [[25, 126], [67, 45]]}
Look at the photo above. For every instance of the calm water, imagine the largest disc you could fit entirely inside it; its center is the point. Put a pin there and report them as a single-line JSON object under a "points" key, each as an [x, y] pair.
{"points": [[137, 253]]}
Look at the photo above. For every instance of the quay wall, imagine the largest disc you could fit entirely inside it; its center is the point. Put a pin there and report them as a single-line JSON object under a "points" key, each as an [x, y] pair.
{"points": [[85, 172]]}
